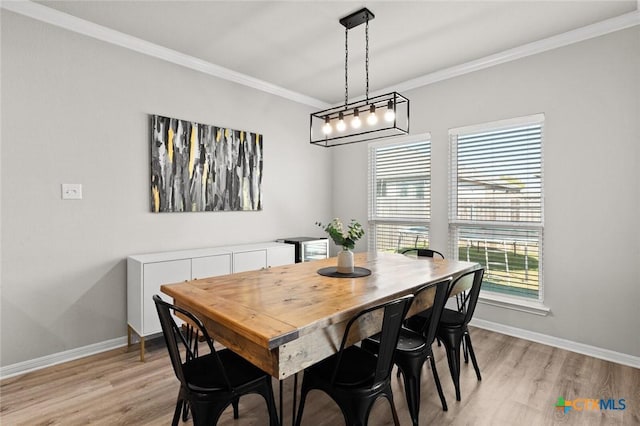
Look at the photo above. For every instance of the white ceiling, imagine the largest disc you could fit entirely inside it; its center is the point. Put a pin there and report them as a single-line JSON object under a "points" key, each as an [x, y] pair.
{"points": [[299, 45]]}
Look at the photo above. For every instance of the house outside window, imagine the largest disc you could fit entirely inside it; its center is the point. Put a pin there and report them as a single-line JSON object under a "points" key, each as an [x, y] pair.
{"points": [[399, 193], [496, 203]]}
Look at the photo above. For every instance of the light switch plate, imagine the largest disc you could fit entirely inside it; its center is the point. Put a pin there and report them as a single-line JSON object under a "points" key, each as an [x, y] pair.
{"points": [[72, 191]]}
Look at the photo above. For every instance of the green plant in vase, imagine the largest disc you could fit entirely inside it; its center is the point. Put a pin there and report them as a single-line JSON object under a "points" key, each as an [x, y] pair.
{"points": [[345, 237]]}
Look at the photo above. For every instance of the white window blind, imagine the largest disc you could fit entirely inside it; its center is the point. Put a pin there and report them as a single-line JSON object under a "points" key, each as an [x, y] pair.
{"points": [[496, 203], [399, 194]]}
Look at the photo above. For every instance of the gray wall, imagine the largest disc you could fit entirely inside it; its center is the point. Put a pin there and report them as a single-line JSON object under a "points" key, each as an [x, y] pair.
{"points": [[75, 110], [589, 93]]}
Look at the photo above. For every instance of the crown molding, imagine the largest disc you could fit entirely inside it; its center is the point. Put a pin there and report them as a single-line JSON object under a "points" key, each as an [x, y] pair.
{"points": [[618, 23], [90, 29]]}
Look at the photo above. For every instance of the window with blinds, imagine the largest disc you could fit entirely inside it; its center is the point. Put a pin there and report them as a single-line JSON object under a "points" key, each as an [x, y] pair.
{"points": [[399, 194], [496, 203]]}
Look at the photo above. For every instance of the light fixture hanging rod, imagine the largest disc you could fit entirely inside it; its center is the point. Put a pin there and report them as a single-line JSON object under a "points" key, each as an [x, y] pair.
{"points": [[370, 118], [356, 18]]}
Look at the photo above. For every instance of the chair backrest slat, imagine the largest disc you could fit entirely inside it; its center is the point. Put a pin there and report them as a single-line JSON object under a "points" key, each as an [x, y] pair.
{"points": [[468, 287], [423, 252], [393, 315], [435, 295]]}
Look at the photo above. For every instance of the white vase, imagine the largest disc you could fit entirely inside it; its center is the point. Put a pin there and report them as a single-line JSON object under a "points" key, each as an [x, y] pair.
{"points": [[345, 262]]}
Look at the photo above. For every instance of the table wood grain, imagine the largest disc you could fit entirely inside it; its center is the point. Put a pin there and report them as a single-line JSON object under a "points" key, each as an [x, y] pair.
{"points": [[286, 318]]}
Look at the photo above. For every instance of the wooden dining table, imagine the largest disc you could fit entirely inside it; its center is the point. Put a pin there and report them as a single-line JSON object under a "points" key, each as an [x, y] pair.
{"points": [[284, 319]]}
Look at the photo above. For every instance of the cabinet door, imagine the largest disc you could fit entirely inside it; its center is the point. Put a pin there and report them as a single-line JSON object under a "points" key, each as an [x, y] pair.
{"points": [[156, 274], [210, 266], [277, 256], [249, 260]]}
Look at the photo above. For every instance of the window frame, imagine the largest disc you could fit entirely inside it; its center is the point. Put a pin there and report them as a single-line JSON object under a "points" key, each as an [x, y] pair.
{"points": [[520, 303], [372, 218]]}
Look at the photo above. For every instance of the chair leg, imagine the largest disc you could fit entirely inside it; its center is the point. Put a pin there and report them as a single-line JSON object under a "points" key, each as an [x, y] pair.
{"points": [[412, 392], [182, 406], [185, 411], [271, 403], [453, 357], [176, 413], [473, 356], [438, 385], [234, 403], [207, 412], [356, 410], [394, 412], [465, 351], [303, 398]]}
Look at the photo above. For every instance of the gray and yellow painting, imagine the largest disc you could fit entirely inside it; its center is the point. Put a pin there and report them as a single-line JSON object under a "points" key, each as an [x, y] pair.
{"points": [[199, 167]]}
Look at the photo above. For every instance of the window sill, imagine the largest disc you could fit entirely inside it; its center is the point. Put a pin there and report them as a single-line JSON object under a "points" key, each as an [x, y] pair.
{"points": [[515, 303]]}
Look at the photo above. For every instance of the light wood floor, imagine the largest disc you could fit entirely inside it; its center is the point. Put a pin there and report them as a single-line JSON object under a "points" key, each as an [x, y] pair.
{"points": [[521, 384]]}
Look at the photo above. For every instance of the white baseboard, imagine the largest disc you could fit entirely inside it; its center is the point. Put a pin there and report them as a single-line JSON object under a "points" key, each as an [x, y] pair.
{"points": [[60, 357], [581, 348]]}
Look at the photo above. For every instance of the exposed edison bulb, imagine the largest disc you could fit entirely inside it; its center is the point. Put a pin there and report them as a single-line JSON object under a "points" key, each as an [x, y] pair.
{"points": [[341, 126], [327, 129], [372, 118], [390, 114], [355, 121]]}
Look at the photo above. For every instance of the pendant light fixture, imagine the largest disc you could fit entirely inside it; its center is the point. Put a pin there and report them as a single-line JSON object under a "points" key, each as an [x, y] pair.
{"points": [[370, 118]]}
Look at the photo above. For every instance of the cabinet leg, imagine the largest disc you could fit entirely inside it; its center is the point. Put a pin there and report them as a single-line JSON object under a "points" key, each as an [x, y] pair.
{"points": [[130, 332]]}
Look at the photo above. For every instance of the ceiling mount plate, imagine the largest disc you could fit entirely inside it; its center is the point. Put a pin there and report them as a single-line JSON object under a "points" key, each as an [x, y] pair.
{"points": [[357, 18]]}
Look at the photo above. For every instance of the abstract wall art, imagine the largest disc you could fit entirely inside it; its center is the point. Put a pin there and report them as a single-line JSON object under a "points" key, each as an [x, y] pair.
{"points": [[198, 167]]}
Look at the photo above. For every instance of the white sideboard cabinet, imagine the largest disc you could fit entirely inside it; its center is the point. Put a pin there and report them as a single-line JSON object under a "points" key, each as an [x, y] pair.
{"points": [[251, 257], [147, 272]]}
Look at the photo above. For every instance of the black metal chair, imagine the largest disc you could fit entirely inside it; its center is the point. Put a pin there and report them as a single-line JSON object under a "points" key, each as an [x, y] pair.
{"points": [[210, 382], [423, 252], [453, 330], [414, 347], [353, 377]]}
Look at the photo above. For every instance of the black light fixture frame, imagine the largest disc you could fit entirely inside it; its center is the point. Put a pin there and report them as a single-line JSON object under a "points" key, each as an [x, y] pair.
{"points": [[399, 126], [390, 101], [356, 18]]}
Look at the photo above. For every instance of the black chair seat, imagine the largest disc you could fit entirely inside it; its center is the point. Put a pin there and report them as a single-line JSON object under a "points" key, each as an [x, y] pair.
{"points": [[357, 368], [451, 318], [203, 374], [419, 321], [409, 341]]}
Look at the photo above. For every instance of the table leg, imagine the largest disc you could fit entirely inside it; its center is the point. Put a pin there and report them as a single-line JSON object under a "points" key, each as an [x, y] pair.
{"points": [[295, 398], [295, 394], [281, 413]]}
